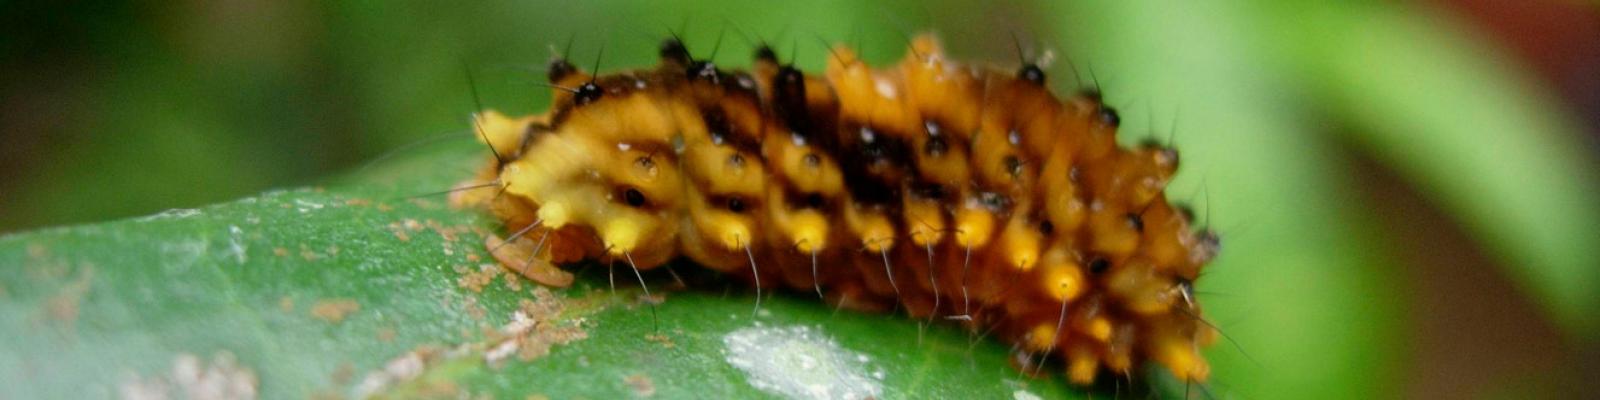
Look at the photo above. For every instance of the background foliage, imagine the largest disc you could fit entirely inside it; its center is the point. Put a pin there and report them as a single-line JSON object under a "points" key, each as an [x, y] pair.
{"points": [[1405, 208]]}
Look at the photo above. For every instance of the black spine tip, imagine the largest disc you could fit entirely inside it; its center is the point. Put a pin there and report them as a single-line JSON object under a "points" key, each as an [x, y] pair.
{"points": [[765, 53], [1093, 94], [1032, 74], [673, 50], [1108, 116], [588, 93], [560, 69]]}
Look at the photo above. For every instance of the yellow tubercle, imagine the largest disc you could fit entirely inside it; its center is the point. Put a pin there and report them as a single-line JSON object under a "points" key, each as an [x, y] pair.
{"points": [[973, 227], [621, 235], [810, 235], [555, 214], [874, 229], [878, 242], [501, 132], [1022, 261], [1081, 369], [1184, 360], [1100, 329], [925, 222], [736, 237], [1062, 282], [1042, 337], [1021, 245]]}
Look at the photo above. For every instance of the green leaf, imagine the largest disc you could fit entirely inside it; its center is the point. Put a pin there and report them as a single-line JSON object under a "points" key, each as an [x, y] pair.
{"points": [[1478, 138], [317, 291]]}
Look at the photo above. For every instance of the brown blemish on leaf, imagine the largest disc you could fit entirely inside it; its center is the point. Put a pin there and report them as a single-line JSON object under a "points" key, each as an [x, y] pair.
{"points": [[545, 336], [45, 270], [286, 304], [513, 283], [535, 327], [423, 203], [540, 323], [63, 306], [386, 334], [446, 233], [399, 232], [544, 306], [342, 375], [441, 389], [475, 310], [307, 254], [334, 310], [476, 280], [280, 252], [385, 207], [641, 385], [661, 339], [37, 251], [358, 202], [516, 257]]}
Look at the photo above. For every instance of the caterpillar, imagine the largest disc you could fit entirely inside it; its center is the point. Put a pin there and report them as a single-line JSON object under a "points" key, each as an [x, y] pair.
{"points": [[952, 191]]}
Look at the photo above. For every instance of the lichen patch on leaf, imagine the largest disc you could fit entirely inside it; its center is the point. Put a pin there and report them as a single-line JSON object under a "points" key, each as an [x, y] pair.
{"points": [[476, 280], [537, 325]]}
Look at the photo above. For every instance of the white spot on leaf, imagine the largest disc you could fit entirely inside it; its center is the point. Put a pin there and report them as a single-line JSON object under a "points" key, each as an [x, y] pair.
{"points": [[236, 243], [800, 362], [176, 213]]}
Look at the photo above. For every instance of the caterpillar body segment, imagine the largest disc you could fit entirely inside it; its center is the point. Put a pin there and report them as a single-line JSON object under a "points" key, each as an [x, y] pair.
{"points": [[951, 191]]}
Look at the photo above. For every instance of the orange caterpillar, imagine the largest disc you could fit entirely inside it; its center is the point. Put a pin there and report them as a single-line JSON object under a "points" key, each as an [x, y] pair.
{"points": [[959, 192]]}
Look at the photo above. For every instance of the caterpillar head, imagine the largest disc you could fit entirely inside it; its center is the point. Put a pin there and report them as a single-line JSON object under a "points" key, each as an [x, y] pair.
{"points": [[642, 161], [603, 170]]}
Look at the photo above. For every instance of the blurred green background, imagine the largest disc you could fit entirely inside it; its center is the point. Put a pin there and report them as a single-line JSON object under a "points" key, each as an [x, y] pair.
{"points": [[1407, 190]]}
